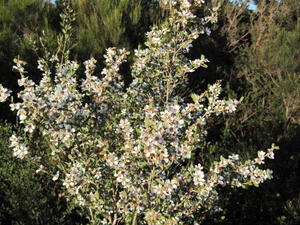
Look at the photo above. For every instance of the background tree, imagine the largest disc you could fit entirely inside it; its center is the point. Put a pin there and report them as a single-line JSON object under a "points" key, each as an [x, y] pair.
{"points": [[102, 24], [265, 43]]}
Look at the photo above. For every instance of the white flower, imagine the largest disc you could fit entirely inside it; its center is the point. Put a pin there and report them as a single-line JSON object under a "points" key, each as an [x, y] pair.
{"points": [[22, 81], [157, 189], [184, 151], [20, 151], [156, 40], [199, 176], [81, 200], [19, 65], [56, 176], [158, 139], [199, 1], [22, 114], [41, 167], [185, 4], [4, 93], [180, 123], [14, 140], [14, 106], [270, 154], [111, 159], [98, 175], [29, 128], [234, 157]]}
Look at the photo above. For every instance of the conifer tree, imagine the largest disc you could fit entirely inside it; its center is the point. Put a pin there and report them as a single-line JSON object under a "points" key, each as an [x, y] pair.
{"points": [[102, 23]]}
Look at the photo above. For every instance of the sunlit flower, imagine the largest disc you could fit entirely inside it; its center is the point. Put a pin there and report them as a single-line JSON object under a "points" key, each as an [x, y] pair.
{"points": [[4, 93], [56, 176]]}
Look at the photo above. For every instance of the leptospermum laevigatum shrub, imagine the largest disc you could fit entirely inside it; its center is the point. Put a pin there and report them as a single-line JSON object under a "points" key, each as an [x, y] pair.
{"points": [[127, 156]]}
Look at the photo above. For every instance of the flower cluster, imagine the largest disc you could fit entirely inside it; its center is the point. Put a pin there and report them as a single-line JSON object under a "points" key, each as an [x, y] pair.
{"points": [[20, 150], [128, 155], [4, 93]]}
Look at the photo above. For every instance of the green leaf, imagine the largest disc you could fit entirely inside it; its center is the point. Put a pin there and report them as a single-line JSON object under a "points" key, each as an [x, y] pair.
{"points": [[195, 98]]}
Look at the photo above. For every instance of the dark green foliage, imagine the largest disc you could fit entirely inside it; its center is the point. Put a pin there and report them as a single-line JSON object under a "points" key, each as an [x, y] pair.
{"points": [[103, 23], [27, 198], [266, 67]]}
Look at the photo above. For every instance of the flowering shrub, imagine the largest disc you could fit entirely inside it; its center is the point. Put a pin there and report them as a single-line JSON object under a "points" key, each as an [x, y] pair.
{"points": [[128, 156]]}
